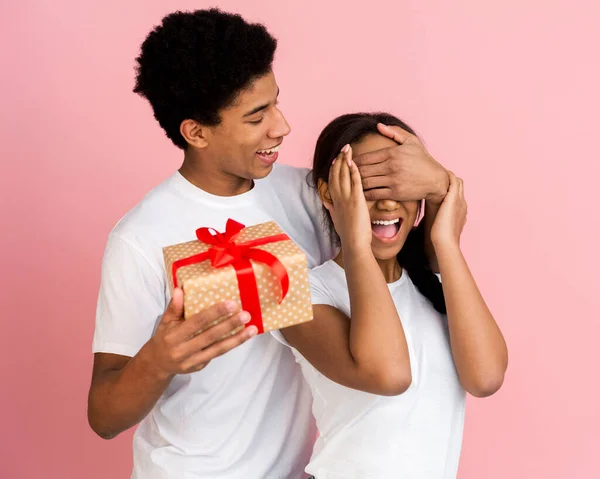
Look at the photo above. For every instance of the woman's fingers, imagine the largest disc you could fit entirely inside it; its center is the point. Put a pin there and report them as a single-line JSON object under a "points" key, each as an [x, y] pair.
{"points": [[355, 179], [339, 175], [334, 176], [345, 182], [454, 186]]}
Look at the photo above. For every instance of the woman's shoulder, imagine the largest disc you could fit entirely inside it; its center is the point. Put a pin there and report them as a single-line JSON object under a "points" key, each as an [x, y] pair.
{"points": [[326, 272], [328, 284]]}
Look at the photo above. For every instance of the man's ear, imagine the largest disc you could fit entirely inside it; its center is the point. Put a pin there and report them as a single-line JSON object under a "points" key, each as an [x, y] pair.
{"points": [[323, 189], [195, 134]]}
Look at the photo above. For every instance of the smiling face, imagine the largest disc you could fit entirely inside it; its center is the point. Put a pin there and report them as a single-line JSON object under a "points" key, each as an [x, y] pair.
{"points": [[391, 221], [245, 143]]}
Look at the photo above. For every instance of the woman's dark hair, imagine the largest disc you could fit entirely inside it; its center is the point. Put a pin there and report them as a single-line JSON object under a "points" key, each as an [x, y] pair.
{"points": [[352, 128], [194, 64]]}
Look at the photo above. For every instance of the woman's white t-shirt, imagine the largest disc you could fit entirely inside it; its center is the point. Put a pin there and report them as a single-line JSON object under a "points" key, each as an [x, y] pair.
{"points": [[416, 435]]}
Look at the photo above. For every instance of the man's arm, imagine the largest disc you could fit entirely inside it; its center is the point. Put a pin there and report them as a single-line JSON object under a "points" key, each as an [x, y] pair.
{"points": [[123, 392], [124, 389]]}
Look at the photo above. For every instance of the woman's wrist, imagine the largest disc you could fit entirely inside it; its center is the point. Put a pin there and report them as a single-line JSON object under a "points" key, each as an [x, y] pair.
{"points": [[445, 245], [356, 250]]}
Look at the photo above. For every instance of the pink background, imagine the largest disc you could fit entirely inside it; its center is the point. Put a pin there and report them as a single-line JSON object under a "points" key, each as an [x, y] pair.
{"points": [[504, 93]]}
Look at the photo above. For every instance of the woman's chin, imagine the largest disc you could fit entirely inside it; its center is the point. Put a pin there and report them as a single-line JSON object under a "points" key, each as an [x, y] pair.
{"points": [[385, 252], [385, 249]]}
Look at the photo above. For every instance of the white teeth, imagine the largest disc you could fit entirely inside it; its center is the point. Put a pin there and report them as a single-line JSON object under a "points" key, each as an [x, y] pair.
{"points": [[269, 152], [383, 222]]}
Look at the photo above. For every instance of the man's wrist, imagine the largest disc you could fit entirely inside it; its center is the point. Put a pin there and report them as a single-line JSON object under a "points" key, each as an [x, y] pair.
{"points": [[440, 188], [147, 363]]}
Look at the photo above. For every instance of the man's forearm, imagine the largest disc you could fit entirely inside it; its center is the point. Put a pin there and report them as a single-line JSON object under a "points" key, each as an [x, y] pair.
{"points": [[121, 398]]}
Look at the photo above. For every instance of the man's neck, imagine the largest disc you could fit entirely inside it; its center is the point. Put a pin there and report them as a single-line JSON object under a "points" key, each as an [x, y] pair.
{"points": [[205, 174]]}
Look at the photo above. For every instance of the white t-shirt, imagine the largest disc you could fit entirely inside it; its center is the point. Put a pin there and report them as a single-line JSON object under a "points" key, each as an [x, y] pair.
{"points": [[416, 435], [247, 414]]}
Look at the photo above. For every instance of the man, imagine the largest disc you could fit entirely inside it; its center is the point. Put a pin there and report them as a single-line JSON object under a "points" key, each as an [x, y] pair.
{"points": [[208, 408]]}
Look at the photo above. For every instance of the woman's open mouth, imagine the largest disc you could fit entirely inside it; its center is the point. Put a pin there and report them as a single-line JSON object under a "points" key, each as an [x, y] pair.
{"points": [[386, 230]]}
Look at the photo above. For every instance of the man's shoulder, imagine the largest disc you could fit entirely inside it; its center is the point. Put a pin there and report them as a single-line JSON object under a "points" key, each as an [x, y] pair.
{"points": [[294, 186], [146, 215], [283, 169], [287, 176]]}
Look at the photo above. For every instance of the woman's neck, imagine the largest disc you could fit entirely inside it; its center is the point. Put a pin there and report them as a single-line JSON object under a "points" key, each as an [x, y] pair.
{"points": [[391, 269]]}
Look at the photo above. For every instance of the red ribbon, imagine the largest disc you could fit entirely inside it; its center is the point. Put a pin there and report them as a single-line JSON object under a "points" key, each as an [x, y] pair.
{"points": [[226, 252]]}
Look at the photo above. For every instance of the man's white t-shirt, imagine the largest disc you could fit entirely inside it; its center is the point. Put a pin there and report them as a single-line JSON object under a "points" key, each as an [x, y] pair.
{"points": [[248, 413], [416, 435]]}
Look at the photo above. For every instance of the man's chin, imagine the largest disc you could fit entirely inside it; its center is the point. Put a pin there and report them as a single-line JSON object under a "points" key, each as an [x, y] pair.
{"points": [[261, 172]]}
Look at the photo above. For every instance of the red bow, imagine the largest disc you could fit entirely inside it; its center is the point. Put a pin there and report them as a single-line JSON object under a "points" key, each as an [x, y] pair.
{"points": [[226, 252]]}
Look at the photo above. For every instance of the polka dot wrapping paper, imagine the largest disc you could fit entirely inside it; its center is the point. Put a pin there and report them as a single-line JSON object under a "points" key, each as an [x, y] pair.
{"points": [[205, 285]]}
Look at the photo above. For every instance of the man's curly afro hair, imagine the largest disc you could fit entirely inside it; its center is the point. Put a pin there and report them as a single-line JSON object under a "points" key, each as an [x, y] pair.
{"points": [[196, 63]]}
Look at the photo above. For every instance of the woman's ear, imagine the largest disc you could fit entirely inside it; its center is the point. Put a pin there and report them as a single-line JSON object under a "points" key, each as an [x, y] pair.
{"points": [[323, 189], [195, 134], [420, 212]]}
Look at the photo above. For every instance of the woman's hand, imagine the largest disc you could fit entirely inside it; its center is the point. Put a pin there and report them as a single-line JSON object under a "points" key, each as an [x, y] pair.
{"points": [[348, 209], [452, 215]]}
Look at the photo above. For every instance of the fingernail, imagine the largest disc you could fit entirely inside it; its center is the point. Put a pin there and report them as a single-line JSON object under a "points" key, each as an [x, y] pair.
{"points": [[245, 317], [346, 148], [333, 162], [252, 330], [350, 162]]}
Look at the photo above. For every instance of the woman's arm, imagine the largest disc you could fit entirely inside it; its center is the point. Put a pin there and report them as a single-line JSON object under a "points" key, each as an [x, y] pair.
{"points": [[431, 210], [478, 347], [367, 351]]}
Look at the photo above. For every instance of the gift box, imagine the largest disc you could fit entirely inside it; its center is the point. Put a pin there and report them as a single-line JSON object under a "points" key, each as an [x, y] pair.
{"points": [[259, 267]]}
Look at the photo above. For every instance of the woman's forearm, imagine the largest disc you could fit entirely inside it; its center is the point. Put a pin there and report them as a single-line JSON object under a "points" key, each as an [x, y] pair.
{"points": [[431, 210], [478, 347], [377, 340]]}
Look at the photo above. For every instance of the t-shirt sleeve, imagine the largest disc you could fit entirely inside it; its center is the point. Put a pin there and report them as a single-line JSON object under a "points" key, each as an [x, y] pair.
{"points": [[314, 207], [302, 198], [130, 301], [319, 294]]}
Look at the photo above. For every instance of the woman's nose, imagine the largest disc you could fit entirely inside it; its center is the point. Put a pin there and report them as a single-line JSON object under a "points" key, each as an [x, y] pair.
{"points": [[387, 205]]}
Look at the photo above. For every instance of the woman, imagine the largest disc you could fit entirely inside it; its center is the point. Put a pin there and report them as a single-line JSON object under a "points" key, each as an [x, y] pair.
{"points": [[391, 350]]}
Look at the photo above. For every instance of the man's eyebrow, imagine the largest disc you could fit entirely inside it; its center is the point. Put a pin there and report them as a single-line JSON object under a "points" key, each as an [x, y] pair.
{"points": [[259, 108]]}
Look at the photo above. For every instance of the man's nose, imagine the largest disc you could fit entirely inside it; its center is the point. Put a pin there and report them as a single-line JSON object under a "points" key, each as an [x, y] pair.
{"points": [[280, 126]]}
